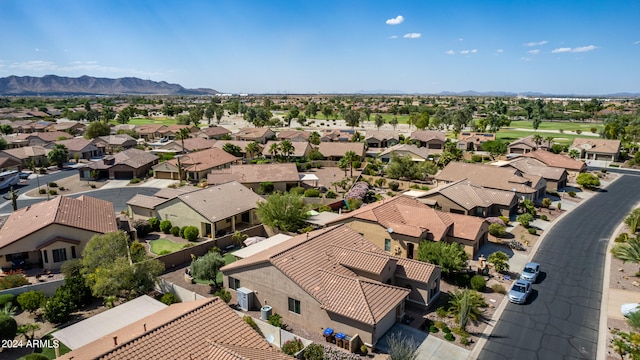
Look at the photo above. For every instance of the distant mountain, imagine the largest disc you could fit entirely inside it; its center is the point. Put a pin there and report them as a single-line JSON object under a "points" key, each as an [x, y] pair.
{"points": [[52, 85]]}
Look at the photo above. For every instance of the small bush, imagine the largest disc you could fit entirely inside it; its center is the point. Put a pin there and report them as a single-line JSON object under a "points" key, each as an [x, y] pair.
{"points": [[53, 192], [191, 233], [532, 231], [572, 193], [154, 223], [331, 194], [6, 299], [142, 227], [175, 230], [497, 230], [223, 294], [464, 340], [165, 226], [622, 238], [8, 327], [449, 337], [265, 188], [53, 185], [298, 190], [504, 219], [442, 312], [433, 329], [460, 331], [578, 131], [93, 186], [314, 352], [169, 298], [313, 193], [476, 158], [62, 188], [276, 320], [31, 300], [544, 217], [499, 288], [440, 324], [546, 202], [394, 185], [446, 330], [478, 283], [165, 252], [249, 320], [525, 219], [290, 347], [42, 191], [134, 181], [13, 281]]}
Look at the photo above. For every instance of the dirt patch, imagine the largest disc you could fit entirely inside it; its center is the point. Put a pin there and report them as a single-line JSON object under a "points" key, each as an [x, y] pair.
{"points": [[71, 185]]}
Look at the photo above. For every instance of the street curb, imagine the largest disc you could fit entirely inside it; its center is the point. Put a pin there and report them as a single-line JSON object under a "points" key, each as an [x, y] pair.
{"points": [[496, 316]]}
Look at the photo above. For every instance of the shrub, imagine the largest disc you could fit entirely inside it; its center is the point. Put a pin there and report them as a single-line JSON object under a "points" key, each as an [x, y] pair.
{"points": [[476, 158], [394, 185], [290, 347], [498, 230], [175, 230], [169, 298], [504, 219], [191, 233], [433, 329], [571, 194], [525, 219], [460, 331], [62, 188], [578, 131], [53, 185], [364, 350], [8, 327], [622, 238], [314, 193], [440, 324], [224, 295], [478, 283], [442, 312], [58, 308], [276, 320], [13, 281], [31, 300], [6, 299], [154, 223], [313, 352], [53, 192], [142, 227], [532, 231], [42, 191], [559, 206], [464, 340], [298, 190], [165, 252], [546, 202], [446, 330], [499, 288], [165, 226], [587, 180], [93, 186], [331, 194], [499, 260], [249, 320], [134, 181], [449, 337], [181, 232], [266, 187], [544, 217]]}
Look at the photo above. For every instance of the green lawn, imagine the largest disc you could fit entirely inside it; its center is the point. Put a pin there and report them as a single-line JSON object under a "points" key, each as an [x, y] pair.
{"points": [[160, 245], [564, 139], [228, 259], [548, 125], [50, 352]]}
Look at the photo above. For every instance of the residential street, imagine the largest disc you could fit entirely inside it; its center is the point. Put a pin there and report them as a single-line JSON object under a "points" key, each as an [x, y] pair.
{"points": [[561, 321]]}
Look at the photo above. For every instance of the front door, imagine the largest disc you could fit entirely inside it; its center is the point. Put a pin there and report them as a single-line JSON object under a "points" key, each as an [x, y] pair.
{"points": [[410, 250]]}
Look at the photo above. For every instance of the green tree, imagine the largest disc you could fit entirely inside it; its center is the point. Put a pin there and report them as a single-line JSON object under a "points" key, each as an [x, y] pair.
{"points": [[451, 257], [232, 149], [107, 115], [126, 114], [499, 260], [394, 122], [287, 149], [352, 118], [239, 237], [495, 147], [191, 233], [8, 327], [379, 121], [466, 305], [286, 212], [3, 144], [31, 300], [274, 150], [58, 155], [97, 128], [587, 180], [537, 139], [314, 138], [525, 219], [206, 267], [252, 149], [348, 159]]}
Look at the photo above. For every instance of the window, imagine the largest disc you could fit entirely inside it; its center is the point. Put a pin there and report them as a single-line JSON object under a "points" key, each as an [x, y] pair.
{"points": [[73, 252], [59, 255], [387, 245], [234, 283], [18, 256], [45, 255], [294, 305]]}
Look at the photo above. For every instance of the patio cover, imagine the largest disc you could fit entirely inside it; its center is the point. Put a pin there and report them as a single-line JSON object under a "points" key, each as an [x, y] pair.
{"points": [[262, 245], [95, 327], [253, 240]]}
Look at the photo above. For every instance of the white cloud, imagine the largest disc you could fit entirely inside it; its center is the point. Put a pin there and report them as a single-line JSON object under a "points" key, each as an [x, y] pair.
{"points": [[450, 52], [77, 66], [393, 37], [474, 51], [525, 59], [464, 52], [460, 39], [536, 43], [411, 35], [499, 51], [396, 20], [535, 51], [36, 49], [574, 50]]}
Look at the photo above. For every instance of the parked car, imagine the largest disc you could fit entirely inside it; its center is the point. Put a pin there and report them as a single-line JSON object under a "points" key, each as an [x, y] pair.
{"points": [[520, 291], [530, 272]]}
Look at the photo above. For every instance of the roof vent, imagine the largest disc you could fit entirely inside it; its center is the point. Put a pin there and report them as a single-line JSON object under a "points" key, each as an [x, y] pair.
{"points": [[115, 340]]}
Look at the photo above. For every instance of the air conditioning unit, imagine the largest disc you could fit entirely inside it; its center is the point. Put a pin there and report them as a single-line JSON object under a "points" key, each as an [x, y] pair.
{"points": [[397, 250]]}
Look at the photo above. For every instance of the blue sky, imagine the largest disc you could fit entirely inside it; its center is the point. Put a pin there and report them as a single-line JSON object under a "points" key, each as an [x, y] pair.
{"points": [[277, 46]]}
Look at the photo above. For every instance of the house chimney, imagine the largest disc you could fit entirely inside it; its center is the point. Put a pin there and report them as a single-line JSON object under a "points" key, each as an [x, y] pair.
{"points": [[115, 341]]}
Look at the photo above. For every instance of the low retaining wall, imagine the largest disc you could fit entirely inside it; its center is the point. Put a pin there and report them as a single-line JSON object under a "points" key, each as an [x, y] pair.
{"points": [[183, 294], [47, 287]]}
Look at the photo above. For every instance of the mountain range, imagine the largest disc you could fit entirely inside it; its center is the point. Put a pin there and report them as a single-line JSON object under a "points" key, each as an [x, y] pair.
{"points": [[52, 85]]}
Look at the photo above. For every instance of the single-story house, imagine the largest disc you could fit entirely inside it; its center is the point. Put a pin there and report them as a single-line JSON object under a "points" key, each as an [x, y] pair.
{"points": [[555, 177], [429, 138], [472, 141], [42, 138], [523, 146], [597, 149], [48, 233], [81, 147], [242, 144], [143, 207], [336, 135], [259, 135], [28, 154], [125, 165], [214, 132], [8, 163], [150, 132], [284, 176], [199, 329], [464, 197], [398, 225], [414, 152], [196, 165], [573, 166], [333, 280], [335, 151], [190, 145], [301, 149], [115, 143], [294, 135], [526, 186], [381, 138], [171, 132], [68, 126]]}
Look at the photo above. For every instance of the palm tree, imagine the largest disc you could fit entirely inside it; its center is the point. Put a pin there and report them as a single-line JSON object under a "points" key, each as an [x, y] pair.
{"points": [[287, 148], [314, 138], [537, 139], [549, 139], [252, 149], [274, 149], [349, 158]]}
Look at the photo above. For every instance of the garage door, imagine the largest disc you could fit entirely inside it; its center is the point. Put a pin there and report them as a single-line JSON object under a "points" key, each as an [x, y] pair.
{"points": [[162, 175], [123, 175]]}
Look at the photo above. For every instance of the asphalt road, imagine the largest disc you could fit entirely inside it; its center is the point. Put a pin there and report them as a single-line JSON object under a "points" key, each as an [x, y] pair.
{"points": [[118, 196], [561, 320]]}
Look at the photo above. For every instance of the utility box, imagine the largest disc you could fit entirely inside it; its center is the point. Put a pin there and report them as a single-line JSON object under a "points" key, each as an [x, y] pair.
{"points": [[265, 312], [245, 299]]}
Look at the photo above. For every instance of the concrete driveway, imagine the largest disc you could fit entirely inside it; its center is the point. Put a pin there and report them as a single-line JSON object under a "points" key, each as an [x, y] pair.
{"points": [[429, 347]]}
